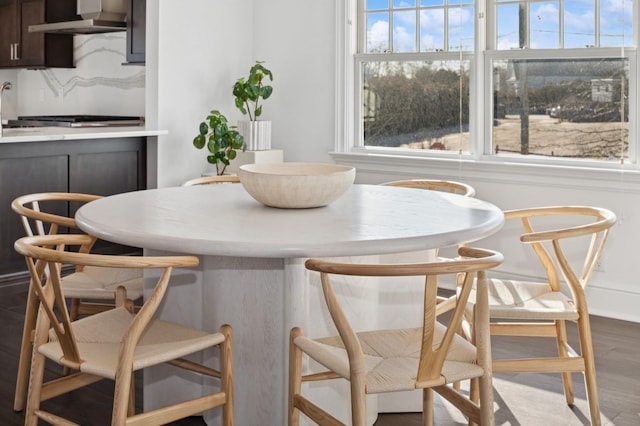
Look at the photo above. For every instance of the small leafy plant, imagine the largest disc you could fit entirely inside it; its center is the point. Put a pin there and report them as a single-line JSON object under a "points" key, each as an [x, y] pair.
{"points": [[221, 140], [249, 91]]}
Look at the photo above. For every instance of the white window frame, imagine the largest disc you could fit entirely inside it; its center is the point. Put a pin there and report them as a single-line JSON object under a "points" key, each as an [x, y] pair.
{"points": [[348, 125]]}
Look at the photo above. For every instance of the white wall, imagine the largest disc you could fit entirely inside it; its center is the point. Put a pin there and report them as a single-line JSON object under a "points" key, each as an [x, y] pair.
{"points": [[203, 47], [193, 79], [297, 39]]}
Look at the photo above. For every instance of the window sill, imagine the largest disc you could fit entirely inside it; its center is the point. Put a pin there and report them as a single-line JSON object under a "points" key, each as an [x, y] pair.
{"points": [[379, 166]]}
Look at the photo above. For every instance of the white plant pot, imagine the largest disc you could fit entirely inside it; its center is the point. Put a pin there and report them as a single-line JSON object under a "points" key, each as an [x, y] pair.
{"points": [[256, 134]]}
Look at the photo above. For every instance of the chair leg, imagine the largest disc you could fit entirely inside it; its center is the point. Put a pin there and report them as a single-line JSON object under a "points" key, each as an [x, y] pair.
{"points": [[427, 407], [358, 402], [474, 390], [74, 312], [36, 377], [470, 335], [26, 349], [586, 348], [226, 374], [131, 410], [35, 389], [122, 395], [561, 341], [474, 396], [482, 341], [295, 376], [487, 415]]}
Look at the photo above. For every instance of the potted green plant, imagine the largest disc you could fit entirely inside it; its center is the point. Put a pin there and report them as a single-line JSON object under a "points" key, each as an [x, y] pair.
{"points": [[248, 93], [221, 140]]}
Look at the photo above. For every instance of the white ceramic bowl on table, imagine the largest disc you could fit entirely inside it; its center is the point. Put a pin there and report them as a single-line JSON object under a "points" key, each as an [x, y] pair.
{"points": [[296, 185]]}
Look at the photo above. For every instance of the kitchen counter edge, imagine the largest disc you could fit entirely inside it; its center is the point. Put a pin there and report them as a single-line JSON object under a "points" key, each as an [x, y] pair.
{"points": [[39, 134]]}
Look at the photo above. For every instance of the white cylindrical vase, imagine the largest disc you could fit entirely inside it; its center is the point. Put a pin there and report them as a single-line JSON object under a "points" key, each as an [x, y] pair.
{"points": [[256, 134]]}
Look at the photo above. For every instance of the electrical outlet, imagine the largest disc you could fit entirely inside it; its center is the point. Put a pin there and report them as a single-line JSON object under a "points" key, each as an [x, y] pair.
{"points": [[599, 266], [41, 94], [60, 94]]}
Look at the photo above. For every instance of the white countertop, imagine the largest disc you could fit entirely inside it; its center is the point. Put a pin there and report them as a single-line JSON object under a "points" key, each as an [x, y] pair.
{"points": [[224, 220], [39, 134]]}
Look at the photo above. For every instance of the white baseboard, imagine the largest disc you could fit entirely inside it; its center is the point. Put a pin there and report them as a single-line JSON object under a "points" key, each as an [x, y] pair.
{"points": [[614, 303]]}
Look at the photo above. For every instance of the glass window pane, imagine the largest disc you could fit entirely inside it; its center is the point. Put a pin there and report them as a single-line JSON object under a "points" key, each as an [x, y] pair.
{"points": [[377, 4], [404, 31], [461, 29], [544, 21], [616, 25], [432, 30], [431, 2], [404, 3], [508, 31], [541, 26], [416, 105], [579, 23], [561, 108], [377, 33]]}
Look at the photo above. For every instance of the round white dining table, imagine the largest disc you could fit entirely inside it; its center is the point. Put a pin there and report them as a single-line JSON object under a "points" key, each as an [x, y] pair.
{"points": [[252, 274]]}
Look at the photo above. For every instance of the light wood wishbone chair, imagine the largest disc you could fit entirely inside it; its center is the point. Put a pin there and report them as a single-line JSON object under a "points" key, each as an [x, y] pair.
{"points": [[207, 180], [90, 289], [116, 343], [427, 358], [436, 185], [567, 243]]}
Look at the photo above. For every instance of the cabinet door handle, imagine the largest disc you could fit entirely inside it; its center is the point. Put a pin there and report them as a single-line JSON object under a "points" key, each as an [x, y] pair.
{"points": [[16, 51], [12, 50]]}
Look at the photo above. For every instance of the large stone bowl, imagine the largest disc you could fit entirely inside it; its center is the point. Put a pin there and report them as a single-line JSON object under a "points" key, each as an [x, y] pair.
{"points": [[296, 185]]}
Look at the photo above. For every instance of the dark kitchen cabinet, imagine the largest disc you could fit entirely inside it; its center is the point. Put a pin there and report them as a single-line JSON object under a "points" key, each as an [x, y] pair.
{"points": [[97, 166], [21, 49], [8, 31], [136, 31]]}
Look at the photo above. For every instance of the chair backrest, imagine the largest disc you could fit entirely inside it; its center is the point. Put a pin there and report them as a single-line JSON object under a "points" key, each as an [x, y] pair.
{"points": [[546, 229], [207, 180], [436, 185], [50, 251], [45, 213], [471, 264]]}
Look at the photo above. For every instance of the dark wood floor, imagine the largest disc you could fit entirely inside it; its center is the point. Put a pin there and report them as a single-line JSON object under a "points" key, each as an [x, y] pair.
{"points": [[520, 399]]}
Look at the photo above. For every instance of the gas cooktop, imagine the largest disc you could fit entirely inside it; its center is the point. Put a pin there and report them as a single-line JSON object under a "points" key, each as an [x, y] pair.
{"points": [[75, 121]]}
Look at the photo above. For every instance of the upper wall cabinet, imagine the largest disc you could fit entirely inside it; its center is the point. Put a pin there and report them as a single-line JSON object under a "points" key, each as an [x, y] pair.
{"points": [[20, 48], [136, 31]]}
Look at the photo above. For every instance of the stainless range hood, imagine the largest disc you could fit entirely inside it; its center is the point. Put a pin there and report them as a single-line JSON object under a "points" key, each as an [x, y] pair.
{"points": [[99, 16], [82, 26]]}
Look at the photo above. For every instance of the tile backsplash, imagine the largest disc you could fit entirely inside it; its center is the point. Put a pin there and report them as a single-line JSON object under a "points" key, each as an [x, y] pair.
{"points": [[99, 84]]}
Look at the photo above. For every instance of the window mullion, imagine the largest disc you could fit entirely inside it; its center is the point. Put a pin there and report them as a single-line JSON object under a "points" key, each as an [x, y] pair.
{"points": [[446, 28], [561, 24], [390, 48], [418, 26], [596, 24]]}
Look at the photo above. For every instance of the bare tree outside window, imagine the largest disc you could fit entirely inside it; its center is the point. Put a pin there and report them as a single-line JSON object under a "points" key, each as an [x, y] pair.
{"points": [[416, 105]]}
